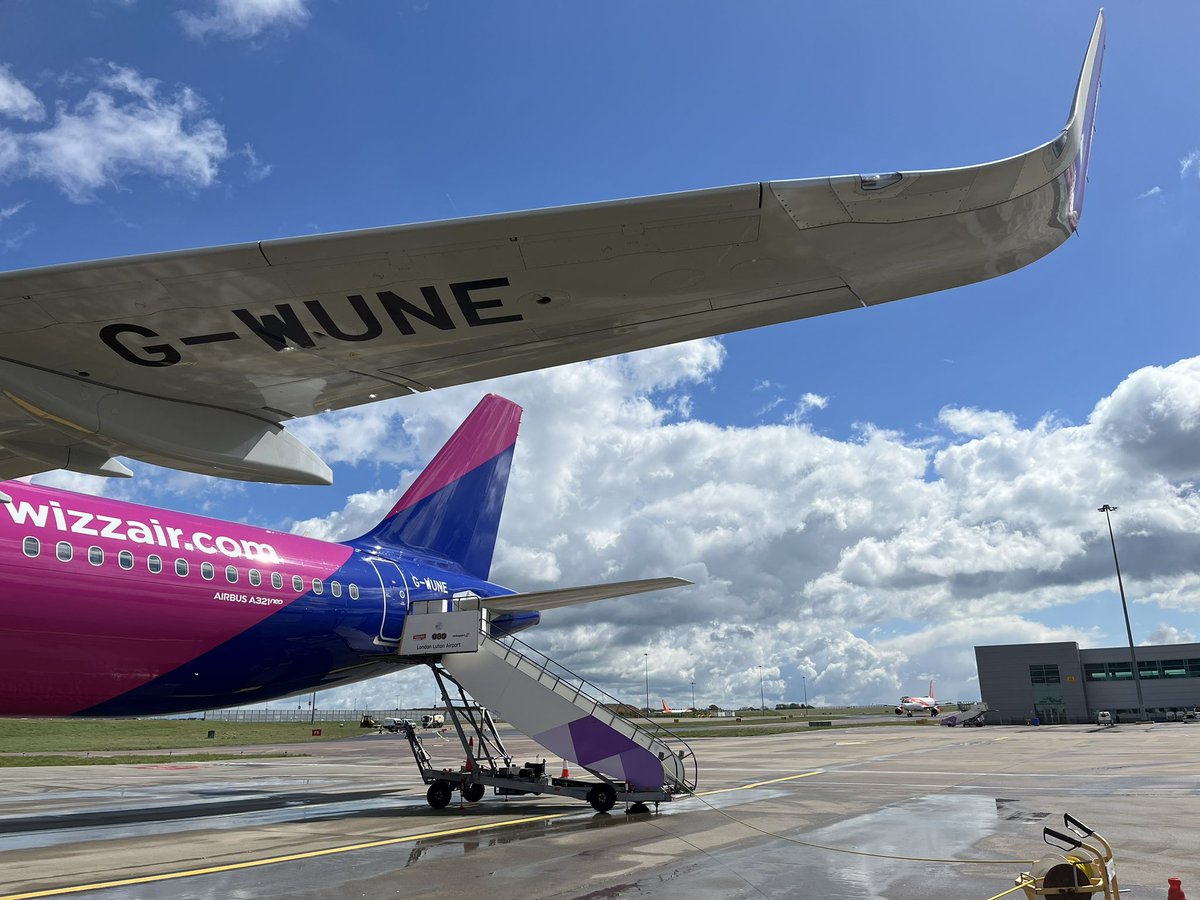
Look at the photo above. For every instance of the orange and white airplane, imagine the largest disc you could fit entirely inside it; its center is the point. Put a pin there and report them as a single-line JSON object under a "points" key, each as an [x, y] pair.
{"points": [[668, 710], [910, 705]]}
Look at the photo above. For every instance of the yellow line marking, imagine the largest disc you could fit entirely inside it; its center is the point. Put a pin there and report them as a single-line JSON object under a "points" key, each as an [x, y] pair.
{"points": [[254, 863], [993, 897], [743, 787], [347, 848]]}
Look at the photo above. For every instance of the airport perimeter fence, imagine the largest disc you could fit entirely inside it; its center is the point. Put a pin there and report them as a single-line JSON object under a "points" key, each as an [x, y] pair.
{"points": [[307, 715]]}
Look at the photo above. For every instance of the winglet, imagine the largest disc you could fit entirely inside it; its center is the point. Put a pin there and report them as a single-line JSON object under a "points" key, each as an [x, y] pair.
{"points": [[1082, 120]]}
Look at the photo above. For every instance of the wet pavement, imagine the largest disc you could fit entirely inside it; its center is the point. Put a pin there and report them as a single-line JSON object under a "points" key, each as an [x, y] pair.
{"points": [[831, 815]]}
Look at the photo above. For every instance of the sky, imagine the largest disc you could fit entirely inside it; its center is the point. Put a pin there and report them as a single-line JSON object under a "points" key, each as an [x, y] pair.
{"points": [[861, 498]]}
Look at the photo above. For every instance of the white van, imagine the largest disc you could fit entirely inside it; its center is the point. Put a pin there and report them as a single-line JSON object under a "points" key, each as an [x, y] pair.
{"points": [[1104, 717]]}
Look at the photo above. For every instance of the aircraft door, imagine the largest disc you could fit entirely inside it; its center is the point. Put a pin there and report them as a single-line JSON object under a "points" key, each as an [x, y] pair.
{"points": [[395, 598]]}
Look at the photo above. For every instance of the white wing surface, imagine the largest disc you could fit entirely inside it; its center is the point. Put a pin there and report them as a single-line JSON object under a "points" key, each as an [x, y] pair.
{"points": [[195, 359]]}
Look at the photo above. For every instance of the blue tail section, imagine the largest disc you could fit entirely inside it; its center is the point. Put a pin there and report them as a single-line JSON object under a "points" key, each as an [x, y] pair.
{"points": [[452, 511]]}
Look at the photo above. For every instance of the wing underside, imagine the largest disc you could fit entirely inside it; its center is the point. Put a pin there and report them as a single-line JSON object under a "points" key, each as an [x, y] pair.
{"points": [[195, 359]]}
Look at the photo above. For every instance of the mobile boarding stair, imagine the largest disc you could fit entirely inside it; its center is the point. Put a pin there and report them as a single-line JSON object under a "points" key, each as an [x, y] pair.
{"points": [[975, 716], [635, 759]]}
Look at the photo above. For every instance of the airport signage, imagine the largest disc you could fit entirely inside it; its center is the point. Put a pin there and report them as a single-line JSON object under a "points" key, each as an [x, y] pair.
{"points": [[441, 632]]}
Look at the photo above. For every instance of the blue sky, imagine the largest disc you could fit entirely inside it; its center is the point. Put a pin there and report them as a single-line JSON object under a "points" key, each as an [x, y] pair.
{"points": [[301, 116]]}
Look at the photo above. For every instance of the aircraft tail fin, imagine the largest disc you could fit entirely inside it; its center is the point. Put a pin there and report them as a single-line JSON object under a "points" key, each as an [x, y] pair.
{"points": [[930, 688], [452, 510], [666, 708]]}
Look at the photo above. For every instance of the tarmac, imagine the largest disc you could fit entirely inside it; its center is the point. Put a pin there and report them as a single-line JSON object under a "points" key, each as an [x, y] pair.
{"points": [[873, 812]]}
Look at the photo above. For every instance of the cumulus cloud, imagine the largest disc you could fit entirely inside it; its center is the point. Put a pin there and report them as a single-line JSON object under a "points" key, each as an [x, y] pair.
{"points": [[975, 422], [1190, 163], [126, 125], [813, 557], [243, 19], [1169, 634], [16, 100], [256, 169]]}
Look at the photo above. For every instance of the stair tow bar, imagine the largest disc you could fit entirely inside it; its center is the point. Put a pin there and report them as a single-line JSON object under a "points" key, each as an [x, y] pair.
{"points": [[489, 764]]}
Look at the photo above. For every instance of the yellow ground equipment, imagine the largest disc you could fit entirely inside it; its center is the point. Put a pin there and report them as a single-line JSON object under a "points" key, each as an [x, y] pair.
{"points": [[1086, 871]]}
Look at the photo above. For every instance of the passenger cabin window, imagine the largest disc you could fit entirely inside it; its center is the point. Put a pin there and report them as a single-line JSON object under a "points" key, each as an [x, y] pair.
{"points": [[32, 547], [297, 583], [206, 571], [335, 588], [125, 560], [276, 580], [64, 551], [231, 574], [354, 592], [255, 577], [181, 568], [318, 588], [95, 556], [154, 563]]}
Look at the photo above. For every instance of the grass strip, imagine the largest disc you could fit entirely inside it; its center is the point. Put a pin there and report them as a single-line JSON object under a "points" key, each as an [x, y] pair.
{"points": [[143, 759]]}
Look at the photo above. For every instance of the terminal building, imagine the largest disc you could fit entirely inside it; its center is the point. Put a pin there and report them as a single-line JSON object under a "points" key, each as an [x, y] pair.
{"points": [[1059, 683]]}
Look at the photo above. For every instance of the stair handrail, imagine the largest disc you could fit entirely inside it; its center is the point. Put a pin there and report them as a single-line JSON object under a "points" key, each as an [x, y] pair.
{"points": [[643, 723]]}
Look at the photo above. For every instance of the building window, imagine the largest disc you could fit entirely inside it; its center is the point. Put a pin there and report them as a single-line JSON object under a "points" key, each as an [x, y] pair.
{"points": [[1193, 668], [181, 568], [1174, 668], [154, 563], [276, 580], [1120, 671], [31, 547], [1095, 672], [125, 560], [95, 556], [1047, 674], [206, 571], [64, 551], [1147, 669]]}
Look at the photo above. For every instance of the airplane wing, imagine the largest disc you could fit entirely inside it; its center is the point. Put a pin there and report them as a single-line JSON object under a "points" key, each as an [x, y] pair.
{"points": [[543, 600], [195, 359]]}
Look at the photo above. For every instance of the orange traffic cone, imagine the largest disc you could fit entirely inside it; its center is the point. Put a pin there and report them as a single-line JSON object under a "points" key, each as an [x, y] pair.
{"points": [[566, 772], [470, 753], [1174, 891]]}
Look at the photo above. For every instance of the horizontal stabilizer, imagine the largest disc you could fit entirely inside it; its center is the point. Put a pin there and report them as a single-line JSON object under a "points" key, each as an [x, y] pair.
{"points": [[539, 600]]}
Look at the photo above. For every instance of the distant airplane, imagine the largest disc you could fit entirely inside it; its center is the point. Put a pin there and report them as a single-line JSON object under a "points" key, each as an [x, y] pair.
{"points": [[910, 705], [670, 711], [114, 609], [195, 359]]}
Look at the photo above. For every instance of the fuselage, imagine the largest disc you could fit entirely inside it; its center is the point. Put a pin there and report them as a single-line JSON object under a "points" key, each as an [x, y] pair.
{"points": [[911, 705], [113, 608]]}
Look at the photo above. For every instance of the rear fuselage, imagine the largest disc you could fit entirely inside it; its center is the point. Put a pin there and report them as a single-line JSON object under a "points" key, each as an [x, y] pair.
{"points": [[112, 608]]}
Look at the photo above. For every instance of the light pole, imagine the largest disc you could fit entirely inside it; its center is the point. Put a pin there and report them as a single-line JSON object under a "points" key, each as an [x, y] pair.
{"points": [[646, 660], [762, 700], [804, 682], [693, 696], [1137, 681]]}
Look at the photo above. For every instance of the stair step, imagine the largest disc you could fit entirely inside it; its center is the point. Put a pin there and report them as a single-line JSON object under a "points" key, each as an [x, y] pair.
{"points": [[567, 716]]}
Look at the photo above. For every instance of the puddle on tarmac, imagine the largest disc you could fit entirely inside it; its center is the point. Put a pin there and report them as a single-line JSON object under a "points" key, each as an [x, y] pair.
{"points": [[938, 827]]}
